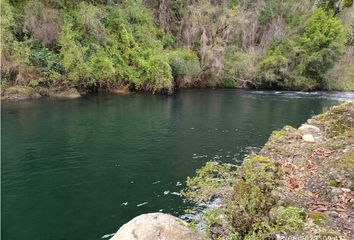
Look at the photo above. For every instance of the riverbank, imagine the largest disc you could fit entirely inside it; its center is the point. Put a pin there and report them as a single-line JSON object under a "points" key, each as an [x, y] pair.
{"points": [[18, 93], [299, 184]]}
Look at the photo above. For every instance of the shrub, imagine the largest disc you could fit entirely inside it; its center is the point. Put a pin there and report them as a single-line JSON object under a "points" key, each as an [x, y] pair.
{"points": [[42, 23], [91, 21], [46, 60], [247, 204], [323, 43], [252, 199], [229, 83], [210, 182], [183, 63], [7, 24], [269, 12], [302, 63], [238, 65], [273, 71]]}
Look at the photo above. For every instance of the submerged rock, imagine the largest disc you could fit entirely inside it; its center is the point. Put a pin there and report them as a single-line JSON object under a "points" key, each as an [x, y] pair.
{"points": [[154, 226]]}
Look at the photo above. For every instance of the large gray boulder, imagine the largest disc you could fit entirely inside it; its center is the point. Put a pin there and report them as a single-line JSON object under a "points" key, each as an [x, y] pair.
{"points": [[156, 226]]}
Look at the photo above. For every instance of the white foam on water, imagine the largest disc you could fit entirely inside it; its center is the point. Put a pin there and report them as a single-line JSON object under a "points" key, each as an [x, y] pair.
{"points": [[108, 235], [142, 204]]}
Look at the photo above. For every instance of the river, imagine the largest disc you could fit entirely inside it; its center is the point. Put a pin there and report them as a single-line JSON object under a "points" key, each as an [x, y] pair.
{"points": [[79, 169]]}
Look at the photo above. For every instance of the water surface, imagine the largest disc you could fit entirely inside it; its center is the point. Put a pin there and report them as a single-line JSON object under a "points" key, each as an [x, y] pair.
{"points": [[79, 169]]}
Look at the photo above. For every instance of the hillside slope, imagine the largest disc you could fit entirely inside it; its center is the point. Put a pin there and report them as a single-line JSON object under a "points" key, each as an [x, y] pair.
{"points": [[159, 46]]}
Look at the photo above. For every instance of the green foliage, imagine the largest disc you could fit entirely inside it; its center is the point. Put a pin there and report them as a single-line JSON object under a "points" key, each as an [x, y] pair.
{"points": [[269, 12], [229, 83], [323, 42], [72, 55], [46, 60], [248, 205], [183, 62], [104, 44], [210, 181], [302, 62], [252, 199], [90, 21], [7, 25], [212, 219], [348, 3], [238, 65], [233, 4], [273, 71], [290, 219], [317, 217], [114, 46]]}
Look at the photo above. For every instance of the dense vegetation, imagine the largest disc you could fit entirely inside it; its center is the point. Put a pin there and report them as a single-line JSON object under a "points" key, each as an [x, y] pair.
{"points": [[158, 46]]}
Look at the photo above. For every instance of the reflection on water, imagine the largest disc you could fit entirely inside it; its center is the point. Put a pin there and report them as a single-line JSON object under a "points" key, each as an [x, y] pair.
{"points": [[81, 168]]}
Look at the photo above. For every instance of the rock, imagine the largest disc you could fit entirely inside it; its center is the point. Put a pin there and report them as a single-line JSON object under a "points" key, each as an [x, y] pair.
{"points": [[121, 90], [71, 93], [153, 226], [19, 93], [333, 214], [315, 132], [308, 138], [307, 128]]}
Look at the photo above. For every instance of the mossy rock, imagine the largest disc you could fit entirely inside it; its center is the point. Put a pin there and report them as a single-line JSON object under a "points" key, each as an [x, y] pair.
{"points": [[70, 93], [338, 120], [19, 93]]}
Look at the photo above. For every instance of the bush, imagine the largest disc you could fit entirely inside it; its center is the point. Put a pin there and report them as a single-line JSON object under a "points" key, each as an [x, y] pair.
{"points": [[248, 209], [229, 83], [183, 63], [269, 12], [46, 60], [42, 23], [252, 199], [238, 65], [302, 63], [91, 21], [7, 25], [273, 71], [323, 42], [341, 77]]}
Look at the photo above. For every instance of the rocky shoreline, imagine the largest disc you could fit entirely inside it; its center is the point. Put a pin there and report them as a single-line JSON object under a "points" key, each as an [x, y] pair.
{"points": [[299, 185], [18, 93]]}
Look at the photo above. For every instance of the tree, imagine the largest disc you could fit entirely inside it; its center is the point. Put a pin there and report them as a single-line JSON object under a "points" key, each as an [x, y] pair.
{"points": [[323, 42]]}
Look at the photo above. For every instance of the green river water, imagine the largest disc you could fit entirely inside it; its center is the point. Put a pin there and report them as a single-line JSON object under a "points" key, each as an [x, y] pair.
{"points": [[79, 169]]}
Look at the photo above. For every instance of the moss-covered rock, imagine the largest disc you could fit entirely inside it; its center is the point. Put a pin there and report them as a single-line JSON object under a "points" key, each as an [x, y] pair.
{"points": [[19, 93], [70, 93]]}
